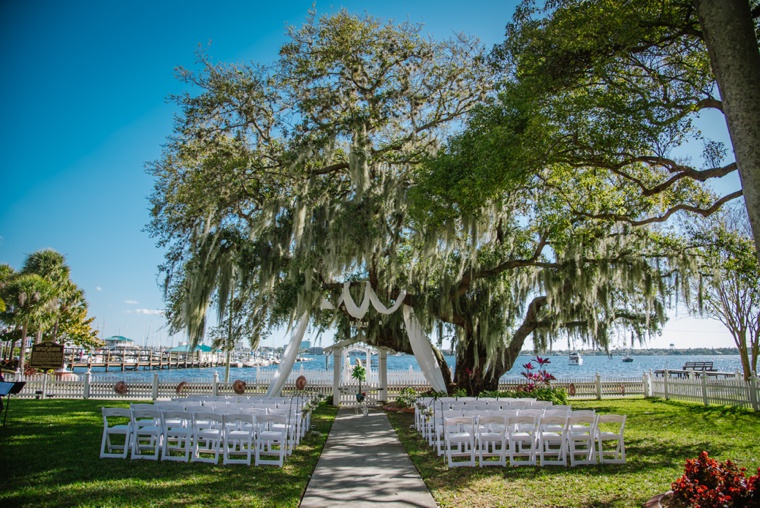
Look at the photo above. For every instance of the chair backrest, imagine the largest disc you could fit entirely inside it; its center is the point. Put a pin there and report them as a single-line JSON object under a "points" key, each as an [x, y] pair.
{"points": [[239, 420], [142, 406], [539, 404], [552, 423], [556, 412], [458, 423], [268, 421], [115, 413], [531, 412], [525, 423], [176, 418], [493, 423], [207, 420], [612, 423], [583, 412], [583, 423], [145, 418], [509, 413]]}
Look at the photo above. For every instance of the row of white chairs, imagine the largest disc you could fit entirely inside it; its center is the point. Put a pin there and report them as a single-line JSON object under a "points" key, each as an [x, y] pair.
{"points": [[427, 406], [433, 430], [200, 434], [528, 439]]}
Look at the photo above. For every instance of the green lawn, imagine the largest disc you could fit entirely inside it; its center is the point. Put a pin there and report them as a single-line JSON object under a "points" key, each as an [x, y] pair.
{"points": [[49, 456], [659, 436]]}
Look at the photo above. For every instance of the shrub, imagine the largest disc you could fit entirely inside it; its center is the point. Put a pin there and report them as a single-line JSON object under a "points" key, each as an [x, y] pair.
{"points": [[709, 484], [407, 397], [459, 392]]}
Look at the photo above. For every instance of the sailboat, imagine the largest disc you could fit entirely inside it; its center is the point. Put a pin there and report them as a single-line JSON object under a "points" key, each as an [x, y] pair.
{"points": [[627, 358]]}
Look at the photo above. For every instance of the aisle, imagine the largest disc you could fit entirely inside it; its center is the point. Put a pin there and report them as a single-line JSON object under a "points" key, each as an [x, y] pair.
{"points": [[363, 464]]}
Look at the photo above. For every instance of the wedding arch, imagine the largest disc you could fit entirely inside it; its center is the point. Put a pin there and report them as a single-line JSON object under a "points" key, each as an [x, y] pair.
{"points": [[421, 347]]}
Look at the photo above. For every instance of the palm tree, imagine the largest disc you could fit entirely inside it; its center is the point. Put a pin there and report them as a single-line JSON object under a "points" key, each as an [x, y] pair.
{"points": [[51, 266], [31, 298]]}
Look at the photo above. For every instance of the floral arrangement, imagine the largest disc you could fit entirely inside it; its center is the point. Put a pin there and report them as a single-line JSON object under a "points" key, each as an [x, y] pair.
{"points": [[359, 373], [541, 376], [706, 483], [407, 397]]}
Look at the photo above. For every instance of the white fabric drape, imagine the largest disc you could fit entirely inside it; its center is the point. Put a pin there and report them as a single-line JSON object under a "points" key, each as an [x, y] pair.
{"points": [[382, 309], [358, 311], [421, 347], [288, 358], [423, 351]]}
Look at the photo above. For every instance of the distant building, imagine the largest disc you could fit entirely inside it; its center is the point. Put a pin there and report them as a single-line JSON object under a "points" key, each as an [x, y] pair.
{"points": [[306, 344], [117, 341], [316, 350], [206, 352]]}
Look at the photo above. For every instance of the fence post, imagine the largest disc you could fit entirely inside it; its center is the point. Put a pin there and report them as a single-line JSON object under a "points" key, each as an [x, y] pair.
{"points": [[647, 385], [704, 390], [155, 386], [87, 381], [44, 385], [215, 390], [752, 385], [598, 386], [665, 377]]}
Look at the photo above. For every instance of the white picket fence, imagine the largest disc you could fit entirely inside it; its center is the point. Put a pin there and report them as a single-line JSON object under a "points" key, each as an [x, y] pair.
{"points": [[705, 390]]}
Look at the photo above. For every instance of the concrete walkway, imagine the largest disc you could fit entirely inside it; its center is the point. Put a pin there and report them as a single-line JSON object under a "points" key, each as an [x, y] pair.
{"points": [[363, 464]]}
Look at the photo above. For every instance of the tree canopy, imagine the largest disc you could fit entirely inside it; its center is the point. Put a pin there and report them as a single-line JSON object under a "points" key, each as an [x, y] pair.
{"points": [[334, 165], [41, 298]]}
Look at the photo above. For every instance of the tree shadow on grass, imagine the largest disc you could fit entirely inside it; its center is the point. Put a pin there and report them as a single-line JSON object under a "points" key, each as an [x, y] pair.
{"points": [[50, 457]]}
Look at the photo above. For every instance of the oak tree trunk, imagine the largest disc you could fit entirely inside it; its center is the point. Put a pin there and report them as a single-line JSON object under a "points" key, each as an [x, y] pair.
{"points": [[732, 46]]}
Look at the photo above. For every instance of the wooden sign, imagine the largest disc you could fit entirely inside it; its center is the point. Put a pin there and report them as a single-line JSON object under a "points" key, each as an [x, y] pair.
{"points": [[47, 355]]}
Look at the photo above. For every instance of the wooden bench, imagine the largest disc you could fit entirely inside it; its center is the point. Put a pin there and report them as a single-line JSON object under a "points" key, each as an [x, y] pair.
{"points": [[699, 366]]}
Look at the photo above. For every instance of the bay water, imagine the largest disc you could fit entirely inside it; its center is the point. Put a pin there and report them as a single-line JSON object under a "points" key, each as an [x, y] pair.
{"points": [[559, 366]]}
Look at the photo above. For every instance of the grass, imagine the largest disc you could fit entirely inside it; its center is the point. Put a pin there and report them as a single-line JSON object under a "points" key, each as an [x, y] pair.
{"points": [[49, 456], [659, 436]]}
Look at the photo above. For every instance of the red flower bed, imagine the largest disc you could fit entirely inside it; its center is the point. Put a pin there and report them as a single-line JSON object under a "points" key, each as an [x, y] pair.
{"points": [[706, 483]]}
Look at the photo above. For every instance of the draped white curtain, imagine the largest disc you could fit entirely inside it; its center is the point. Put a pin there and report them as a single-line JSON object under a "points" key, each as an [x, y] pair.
{"points": [[289, 357], [358, 311], [423, 350]]}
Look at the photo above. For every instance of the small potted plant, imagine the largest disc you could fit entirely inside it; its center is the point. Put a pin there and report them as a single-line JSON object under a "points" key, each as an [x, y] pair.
{"points": [[360, 374]]}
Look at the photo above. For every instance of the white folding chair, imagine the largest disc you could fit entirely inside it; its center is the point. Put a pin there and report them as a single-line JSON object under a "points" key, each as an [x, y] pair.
{"points": [[609, 428], [116, 422], [459, 439], [177, 435], [581, 437], [239, 438], [491, 440], [292, 426], [521, 436], [146, 433], [208, 434], [271, 439], [552, 440]]}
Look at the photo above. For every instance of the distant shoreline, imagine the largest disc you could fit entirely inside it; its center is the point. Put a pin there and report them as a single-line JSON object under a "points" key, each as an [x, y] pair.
{"points": [[720, 351]]}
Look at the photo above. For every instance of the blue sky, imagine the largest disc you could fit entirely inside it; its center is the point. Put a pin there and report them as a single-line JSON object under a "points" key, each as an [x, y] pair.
{"points": [[84, 108]]}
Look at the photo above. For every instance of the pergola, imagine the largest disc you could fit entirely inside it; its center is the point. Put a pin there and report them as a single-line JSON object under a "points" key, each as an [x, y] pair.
{"points": [[423, 351], [340, 349]]}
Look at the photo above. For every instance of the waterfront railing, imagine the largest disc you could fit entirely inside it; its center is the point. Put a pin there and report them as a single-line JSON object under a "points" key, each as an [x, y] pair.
{"points": [[705, 390]]}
